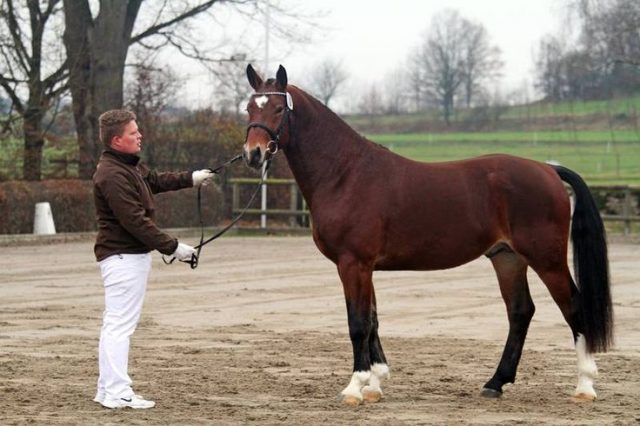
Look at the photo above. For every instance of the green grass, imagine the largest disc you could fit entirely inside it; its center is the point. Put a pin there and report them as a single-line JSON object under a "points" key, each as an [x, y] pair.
{"points": [[628, 106], [600, 157], [12, 152]]}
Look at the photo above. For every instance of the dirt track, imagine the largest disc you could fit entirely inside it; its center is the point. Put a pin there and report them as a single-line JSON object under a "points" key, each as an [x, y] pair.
{"points": [[258, 335]]}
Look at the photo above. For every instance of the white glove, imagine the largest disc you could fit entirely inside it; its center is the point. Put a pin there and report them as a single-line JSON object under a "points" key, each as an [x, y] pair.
{"points": [[183, 252], [201, 177]]}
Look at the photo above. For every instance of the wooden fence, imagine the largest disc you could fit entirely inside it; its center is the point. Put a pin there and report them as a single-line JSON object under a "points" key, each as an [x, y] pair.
{"points": [[627, 215], [298, 213]]}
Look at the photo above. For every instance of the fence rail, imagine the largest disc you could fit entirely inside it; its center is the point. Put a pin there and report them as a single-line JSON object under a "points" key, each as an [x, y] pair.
{"points": [[299, 213], [627, 215]]}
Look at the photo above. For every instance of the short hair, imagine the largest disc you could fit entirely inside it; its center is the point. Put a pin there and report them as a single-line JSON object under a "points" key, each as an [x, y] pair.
{"points": [[112, 124]]}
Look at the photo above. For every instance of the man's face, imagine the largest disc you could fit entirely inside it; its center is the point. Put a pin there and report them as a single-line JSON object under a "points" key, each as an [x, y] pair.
{"points": [[131, 140]]}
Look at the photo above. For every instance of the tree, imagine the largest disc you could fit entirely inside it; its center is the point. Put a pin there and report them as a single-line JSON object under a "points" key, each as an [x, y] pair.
{"points": [[455, 59], [611, 35], [32, 72], [442, 56], [481, 60], [604, 59], [232, 87], [550, 79], [97, 49], [326, 79], [395, 91], [149, 94]]}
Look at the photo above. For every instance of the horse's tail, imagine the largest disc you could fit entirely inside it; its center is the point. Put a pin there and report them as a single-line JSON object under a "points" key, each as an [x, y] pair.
{"points": [[590, 264]]}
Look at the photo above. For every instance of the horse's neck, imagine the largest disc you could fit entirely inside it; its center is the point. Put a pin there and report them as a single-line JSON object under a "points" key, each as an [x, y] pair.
{"points": [[323, 150]]}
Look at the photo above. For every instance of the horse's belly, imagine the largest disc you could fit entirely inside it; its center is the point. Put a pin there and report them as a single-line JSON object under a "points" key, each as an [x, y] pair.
{"points": [[445, 248], [426, 261]]}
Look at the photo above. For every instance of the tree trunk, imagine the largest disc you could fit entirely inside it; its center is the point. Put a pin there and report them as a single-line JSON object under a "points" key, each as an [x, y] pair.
{"points": [[33, 144], [78, 21], [97, 50]]}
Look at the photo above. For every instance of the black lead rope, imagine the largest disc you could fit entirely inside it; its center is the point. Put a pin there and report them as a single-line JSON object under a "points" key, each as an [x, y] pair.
{"points": [[193, 262]]}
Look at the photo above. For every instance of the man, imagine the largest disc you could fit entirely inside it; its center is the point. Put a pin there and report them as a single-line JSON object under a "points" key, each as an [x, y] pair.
{"points": [[127, 233]]}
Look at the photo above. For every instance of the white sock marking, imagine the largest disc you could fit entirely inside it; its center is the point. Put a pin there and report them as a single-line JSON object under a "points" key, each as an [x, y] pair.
{"points": [[587, 369]]}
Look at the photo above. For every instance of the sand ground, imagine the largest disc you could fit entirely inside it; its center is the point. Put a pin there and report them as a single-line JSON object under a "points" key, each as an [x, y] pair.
{"points": [[258, 335]]}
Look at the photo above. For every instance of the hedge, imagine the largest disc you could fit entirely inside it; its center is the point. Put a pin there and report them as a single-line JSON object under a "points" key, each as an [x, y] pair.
{"points": [[73, 208]]}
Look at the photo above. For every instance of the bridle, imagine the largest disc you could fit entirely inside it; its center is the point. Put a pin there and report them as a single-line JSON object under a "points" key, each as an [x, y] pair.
{"points": [[195, 258], [273, 145], [272, 148]]}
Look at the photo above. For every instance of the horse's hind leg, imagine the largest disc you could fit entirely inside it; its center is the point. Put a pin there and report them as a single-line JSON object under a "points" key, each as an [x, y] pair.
{"points": [[511, 269], [565, 293], [379, 368]]}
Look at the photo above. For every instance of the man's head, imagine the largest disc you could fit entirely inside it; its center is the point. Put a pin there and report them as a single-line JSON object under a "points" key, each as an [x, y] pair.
{"points": [[119, 130]]}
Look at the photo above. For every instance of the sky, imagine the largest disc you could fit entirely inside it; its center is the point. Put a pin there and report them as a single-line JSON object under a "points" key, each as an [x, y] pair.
{"points": [[373, 38]]}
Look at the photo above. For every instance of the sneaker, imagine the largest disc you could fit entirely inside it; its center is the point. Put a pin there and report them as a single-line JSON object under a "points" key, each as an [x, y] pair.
{"points": [[134, 401], [100, 396]]}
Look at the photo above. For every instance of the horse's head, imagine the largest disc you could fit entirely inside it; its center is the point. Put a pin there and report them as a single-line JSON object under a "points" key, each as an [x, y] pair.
{"points": [[269, 109]]}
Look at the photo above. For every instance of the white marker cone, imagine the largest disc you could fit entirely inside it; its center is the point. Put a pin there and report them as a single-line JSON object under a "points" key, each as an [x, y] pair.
{"points": [[43, 221]]}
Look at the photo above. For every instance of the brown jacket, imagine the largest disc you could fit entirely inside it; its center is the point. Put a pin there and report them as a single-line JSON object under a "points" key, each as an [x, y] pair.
{"points": [[122, 191]]}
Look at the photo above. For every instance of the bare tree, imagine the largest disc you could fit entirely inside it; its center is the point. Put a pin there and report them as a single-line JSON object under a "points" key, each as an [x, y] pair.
{"points": [[395, 91], [603, 60], [232, 87], [416, 78], [149, 94], [97, 48], [455, 59], [611, 29], [326, 78], [481, 61], [550, 78], [442, 56], [371, 102], [33, 74]]}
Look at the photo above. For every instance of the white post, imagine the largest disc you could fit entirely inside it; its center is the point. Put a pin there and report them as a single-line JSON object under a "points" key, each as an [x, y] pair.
{"points": [[43, 220], [263, 194]]}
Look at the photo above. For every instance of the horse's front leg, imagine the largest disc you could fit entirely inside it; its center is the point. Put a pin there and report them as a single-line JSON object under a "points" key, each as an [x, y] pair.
{"points": [[356, 279], [379, 368]]}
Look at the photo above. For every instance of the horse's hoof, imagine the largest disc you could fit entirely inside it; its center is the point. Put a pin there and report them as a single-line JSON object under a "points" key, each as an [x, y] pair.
{"points": [[490, 393], [370, 395], [350, 400], [581, 397]]}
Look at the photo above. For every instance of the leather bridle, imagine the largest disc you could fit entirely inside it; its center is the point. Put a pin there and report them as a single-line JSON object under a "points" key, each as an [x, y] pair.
{"points": [[273, 145]]}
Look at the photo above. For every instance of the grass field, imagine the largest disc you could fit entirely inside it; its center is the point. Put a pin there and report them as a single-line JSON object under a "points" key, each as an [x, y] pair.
{"points": [[601, 157], [628, 106]]}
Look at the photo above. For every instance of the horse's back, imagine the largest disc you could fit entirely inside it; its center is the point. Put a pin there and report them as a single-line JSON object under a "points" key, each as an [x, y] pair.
{"points": [[441, 215]]}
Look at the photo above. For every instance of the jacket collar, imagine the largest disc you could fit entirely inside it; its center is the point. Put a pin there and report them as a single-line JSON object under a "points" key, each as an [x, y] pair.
{"points": [[130, 159]]}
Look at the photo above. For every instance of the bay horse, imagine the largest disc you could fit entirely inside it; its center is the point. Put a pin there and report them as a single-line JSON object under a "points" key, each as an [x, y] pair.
{"points": [[372, 209]]}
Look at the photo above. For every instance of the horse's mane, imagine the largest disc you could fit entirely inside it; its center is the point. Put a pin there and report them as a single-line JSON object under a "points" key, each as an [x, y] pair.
{"points": [[321, 111]]}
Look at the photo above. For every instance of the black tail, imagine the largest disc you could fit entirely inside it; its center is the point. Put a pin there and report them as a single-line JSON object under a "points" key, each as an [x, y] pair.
{"points": [[590, 264]]}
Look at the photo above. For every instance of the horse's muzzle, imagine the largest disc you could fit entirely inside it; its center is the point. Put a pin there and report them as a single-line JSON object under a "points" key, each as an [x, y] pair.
{"points": [[255, 158]]}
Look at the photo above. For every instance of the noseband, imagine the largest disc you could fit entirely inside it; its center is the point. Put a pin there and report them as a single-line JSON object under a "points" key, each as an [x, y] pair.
{"points": [[274, 135]]}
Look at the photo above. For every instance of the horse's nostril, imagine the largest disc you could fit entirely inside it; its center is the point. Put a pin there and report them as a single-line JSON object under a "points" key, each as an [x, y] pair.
{"points": [[255, 156]]}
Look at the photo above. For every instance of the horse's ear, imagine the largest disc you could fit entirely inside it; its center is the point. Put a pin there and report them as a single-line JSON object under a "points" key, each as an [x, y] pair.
{"points": [[254, 79], [281, 79]]}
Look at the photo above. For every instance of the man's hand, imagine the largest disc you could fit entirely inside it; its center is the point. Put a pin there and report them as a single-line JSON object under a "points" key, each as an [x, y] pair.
{"points": [[201, 177], [184, 252]]}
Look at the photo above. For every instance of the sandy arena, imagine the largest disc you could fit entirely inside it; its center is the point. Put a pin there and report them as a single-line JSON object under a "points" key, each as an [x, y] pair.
{"points": [[258, 335]]}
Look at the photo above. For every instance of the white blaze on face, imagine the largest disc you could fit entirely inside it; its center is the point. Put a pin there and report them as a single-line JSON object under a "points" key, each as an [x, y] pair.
{"points": [[261, 101]]}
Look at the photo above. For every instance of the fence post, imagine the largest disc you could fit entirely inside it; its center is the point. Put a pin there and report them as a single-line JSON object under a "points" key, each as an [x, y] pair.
{"points": [[235, 197], [626, 211], [293, 203]]}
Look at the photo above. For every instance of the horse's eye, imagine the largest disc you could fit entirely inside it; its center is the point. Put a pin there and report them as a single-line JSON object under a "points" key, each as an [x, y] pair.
{"points": [[279, 109]]}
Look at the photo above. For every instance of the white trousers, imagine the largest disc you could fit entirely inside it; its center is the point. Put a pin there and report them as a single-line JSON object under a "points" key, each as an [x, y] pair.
{"points": [[125, 281]]}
